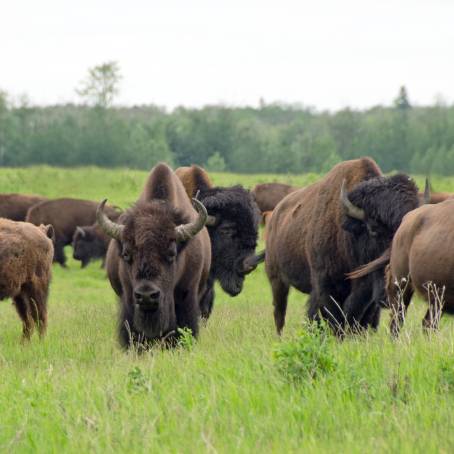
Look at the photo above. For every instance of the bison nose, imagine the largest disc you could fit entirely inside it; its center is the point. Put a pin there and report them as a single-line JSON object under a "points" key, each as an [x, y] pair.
{"points": [[147, 298]]}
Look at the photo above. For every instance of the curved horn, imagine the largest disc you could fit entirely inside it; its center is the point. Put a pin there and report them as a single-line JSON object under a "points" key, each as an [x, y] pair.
{"points": [[250, 263], [185, 232], [351, 210], [81, 231], [110, 228], [427, 191]]}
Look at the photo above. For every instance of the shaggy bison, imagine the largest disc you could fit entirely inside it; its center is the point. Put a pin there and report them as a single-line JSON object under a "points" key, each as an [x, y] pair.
{"points": [[268, 195], [15, 206], [65, 215], [90, 242], [158, 261], [421, 259], [26, 253], [319, 233], [233, 228]]}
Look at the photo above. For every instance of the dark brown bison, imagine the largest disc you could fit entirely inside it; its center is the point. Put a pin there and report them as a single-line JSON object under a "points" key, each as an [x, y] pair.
{"points": [[421, 259], [319, 233], [268, 195], [65, 215], [15, 206], [158, 261], [90, 243], [26, 253], [233, 228]]}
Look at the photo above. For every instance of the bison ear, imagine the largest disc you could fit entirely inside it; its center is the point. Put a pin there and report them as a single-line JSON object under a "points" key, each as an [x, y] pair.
{"points": [[50, 232]]}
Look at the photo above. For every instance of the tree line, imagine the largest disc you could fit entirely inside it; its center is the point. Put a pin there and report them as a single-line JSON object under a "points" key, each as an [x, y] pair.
{"points": [[273, 138]]}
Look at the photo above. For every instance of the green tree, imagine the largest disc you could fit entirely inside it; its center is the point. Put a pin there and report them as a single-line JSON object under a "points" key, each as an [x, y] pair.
{"points": [[101, 85]]}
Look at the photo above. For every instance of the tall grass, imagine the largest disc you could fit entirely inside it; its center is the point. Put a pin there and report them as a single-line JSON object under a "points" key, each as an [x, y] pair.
{"points": [[77, 392]]}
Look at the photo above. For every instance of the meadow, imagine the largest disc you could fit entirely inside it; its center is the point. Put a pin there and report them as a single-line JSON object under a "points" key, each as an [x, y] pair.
{"points": [[76, 391]]}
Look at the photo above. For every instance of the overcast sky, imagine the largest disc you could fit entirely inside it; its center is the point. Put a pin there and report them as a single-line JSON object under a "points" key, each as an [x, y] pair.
{"points": [[326, 54]]}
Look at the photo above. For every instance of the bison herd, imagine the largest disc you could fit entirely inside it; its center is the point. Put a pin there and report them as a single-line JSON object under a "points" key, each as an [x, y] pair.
{"points": [[356, 241]]}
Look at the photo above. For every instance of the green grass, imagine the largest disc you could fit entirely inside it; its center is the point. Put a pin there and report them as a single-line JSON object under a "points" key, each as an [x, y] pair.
{"points": [[77, 392]]}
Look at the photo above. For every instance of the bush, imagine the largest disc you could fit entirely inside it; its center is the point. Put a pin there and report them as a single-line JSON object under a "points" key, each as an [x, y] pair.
{"points": [[308, 356]]}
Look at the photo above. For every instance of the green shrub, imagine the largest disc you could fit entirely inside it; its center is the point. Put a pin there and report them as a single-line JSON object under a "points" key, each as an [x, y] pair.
{"points": [[307, 356]]}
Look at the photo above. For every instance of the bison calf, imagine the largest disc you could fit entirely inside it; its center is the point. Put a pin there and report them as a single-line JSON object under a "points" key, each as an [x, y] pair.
{"points": [[26, 253]]}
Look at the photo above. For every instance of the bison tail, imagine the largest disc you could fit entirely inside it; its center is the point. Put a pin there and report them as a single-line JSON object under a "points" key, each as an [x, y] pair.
{"points": [[370, 267]]}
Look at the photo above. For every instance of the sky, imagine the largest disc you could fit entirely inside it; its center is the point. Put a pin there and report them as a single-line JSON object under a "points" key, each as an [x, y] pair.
{"points": [[319, 53]]}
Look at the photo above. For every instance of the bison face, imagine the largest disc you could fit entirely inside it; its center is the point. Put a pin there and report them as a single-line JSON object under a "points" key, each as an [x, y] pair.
{"points": [[374, 210], [148, 265], [233, 235], [88, 244], [151, 239]]}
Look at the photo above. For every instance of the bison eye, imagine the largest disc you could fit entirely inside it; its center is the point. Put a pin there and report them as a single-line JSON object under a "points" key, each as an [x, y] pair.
{"points": [[126, 256]]}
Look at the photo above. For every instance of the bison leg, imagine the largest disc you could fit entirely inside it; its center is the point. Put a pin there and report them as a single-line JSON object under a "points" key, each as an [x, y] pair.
{"points": [[206, 303], [38, 308], [372, 316], [399, 297], [433, 315], [126, 335], [59, 254], [22, 309], [187, 313], [324, 303], [357, 304], [280, 296]]}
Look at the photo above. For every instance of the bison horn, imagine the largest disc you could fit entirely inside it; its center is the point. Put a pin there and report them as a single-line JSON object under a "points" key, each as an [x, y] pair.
{"points": [[351, 210], [250, 263], [81, 231], [185, 232], [110, 228], [427, 191]]}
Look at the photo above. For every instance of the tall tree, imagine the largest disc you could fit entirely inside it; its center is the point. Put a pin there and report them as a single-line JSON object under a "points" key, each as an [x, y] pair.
{"points": [[101, 85], [402, 102]]}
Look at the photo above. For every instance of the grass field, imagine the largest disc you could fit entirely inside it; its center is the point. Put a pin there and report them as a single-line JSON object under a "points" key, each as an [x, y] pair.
{"points": [[77, 392]]}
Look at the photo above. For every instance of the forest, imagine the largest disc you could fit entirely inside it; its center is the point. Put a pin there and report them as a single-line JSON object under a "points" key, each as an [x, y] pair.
{"points": [[272, 138]]}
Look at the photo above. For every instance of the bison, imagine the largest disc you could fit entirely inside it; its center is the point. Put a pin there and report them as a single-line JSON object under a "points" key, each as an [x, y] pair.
{"points": [[233, 228], [268, 195], [15, 206], [26, 253], [65, 215], [421, 259], [90, 242], [319, 233], [158, 261]]}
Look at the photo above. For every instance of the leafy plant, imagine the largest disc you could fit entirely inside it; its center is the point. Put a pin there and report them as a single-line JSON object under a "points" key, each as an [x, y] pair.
{"points": [[306, 357]]}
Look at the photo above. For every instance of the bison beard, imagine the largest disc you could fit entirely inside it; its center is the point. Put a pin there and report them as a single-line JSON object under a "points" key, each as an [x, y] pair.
{"points": [[312, 242]]}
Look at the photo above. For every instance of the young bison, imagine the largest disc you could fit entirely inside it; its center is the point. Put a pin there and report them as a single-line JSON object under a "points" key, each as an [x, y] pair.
{"points": [[26, 253]]}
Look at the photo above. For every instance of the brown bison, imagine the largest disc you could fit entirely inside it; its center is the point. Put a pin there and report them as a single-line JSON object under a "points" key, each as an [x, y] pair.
{"points": [[15, 206], [26, 253], [90, 243], [158, 261], [421, 259], [268, 195], [65, 215], [319, 233], [233, 219]]}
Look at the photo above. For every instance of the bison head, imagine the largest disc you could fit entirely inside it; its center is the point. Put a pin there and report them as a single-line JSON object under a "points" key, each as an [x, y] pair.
{"points": [[150, 238], [374, 210], [233, 227], [89, 242]]}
